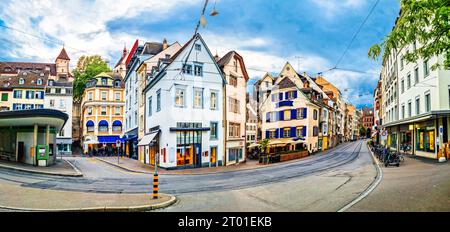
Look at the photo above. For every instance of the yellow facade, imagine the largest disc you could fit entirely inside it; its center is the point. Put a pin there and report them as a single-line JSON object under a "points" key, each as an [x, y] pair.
{"points": [[103, 100]]}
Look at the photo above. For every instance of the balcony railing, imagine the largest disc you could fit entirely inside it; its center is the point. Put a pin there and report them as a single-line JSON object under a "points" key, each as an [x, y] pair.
{"points": [[285, 103]]}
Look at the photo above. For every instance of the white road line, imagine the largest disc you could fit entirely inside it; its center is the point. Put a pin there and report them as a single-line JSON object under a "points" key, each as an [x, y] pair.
{"points": [[372, 186]]}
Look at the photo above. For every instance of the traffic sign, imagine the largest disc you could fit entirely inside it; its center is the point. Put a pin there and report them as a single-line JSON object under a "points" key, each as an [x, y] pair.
{"points": [[118, 143]]}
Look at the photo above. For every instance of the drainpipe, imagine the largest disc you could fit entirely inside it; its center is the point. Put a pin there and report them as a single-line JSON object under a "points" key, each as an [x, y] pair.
{"points": [[225, 124]]}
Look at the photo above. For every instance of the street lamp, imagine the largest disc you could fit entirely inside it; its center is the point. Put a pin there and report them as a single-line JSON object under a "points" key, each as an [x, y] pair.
{"points": [[214, 11]]}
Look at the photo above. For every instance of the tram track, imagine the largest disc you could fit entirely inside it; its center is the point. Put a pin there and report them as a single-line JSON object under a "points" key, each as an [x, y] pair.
{"points": [[181, 184]]}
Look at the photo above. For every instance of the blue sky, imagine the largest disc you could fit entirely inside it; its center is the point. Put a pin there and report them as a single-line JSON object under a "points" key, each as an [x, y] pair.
{"points": [[266, 33]]}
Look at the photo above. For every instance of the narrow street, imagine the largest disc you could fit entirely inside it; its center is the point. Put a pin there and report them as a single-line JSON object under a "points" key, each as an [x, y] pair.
{"points": [[322, 182]]}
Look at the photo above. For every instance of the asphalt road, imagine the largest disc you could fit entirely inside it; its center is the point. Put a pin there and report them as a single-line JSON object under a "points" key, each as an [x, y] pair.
{"points": [[103, 178]]}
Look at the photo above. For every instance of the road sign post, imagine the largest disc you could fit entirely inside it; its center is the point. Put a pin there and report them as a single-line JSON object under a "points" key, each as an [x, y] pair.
{"points": [[118, 147]]}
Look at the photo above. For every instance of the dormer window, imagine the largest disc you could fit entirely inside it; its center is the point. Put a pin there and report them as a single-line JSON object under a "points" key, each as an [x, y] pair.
{"points": [[7, 70], [50, 82], [117, 84], [103, 81], [21, 81], [39, 82], [198, 47]]}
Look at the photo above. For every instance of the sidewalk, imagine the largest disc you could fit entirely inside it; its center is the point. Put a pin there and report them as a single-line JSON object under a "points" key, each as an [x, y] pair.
{"points": [[17, 198], [61, 168], [419, 184], [136, 166]]}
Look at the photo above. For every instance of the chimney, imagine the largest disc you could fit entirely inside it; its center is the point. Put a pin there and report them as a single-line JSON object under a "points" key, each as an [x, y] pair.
{"points": [[165, 45]]}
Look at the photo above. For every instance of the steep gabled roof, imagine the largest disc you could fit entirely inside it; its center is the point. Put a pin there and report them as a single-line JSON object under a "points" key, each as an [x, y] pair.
{"points": [[286, 83], [63, 55], [170, 61], [226, 60]]}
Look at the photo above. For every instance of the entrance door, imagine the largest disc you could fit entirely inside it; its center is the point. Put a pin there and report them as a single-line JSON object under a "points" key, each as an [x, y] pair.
{"points": [[197, 155], [20, 151]]}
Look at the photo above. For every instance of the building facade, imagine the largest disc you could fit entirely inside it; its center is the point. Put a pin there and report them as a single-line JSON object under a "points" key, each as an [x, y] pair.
{"points": [[416, 104], [233, 68], [145, 71], [102, 113], [184, 125], [289, 113]]}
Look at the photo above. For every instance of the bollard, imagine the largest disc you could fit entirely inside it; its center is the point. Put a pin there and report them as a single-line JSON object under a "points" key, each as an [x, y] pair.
{"points": [[155, 186]]}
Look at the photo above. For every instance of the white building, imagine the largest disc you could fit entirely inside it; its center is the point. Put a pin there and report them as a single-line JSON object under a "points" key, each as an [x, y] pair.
{"points": [[233, 68], [252, 122], [145, 72], [133, 92], [416, 103], [184, 120], [59, 96]]}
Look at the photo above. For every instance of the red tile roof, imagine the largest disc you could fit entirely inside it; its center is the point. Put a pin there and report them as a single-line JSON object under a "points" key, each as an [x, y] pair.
{"points": [[15, 67], [63, 55]]}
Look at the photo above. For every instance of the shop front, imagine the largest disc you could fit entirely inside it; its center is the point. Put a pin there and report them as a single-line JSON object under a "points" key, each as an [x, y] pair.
{"points": [[406, 138], [150, 145], [425, 135], [131, 144]]}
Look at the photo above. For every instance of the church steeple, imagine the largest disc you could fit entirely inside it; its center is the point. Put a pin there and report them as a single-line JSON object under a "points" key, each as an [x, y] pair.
{"points": [[63, 55], [124, 53]]}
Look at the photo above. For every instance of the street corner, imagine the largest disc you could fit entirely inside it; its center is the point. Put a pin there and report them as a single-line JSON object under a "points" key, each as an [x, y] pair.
{"points": [[61, 167], [24, 199]]}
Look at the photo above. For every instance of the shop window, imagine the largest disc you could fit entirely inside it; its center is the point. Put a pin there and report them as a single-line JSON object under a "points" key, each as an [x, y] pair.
{"points": [[425, 138]]}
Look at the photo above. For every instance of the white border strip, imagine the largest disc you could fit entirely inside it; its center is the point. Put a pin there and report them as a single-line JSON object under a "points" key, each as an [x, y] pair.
{"points": [[372, 186]]}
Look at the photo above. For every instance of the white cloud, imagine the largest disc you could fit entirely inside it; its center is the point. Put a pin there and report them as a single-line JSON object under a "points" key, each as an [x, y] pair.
{"points": [[260, 62], [78, 24]]}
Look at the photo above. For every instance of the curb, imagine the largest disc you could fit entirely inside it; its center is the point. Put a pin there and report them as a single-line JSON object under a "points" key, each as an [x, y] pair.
{"points": [[78, 174], [74, 167], [371, 187], [209, 173], [139, 208]]}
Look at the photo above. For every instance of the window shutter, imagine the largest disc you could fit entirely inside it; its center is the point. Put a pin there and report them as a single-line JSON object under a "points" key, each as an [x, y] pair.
{"points": [[273, 97], [293, 130], [267, 134], [281, 115], [295, 94], [304, 131], [281, 96], [281, 132], [293, 114], [277, 135], [305, 112], [267, 117], [286, 95]]}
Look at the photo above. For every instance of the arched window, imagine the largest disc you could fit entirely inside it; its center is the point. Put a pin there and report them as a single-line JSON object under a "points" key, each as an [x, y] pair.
{"points": [[90, 126], [103, 126], [117, 83], [21, 81], [39, 81], [117, 126]]}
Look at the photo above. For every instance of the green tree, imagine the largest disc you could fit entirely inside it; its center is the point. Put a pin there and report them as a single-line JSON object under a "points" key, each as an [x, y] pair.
{"points": [[362, 131], [87, 67], [425, 21]]}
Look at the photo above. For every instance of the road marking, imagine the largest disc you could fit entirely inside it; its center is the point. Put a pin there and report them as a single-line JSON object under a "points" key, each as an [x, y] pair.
{"points": [[372, 186]]}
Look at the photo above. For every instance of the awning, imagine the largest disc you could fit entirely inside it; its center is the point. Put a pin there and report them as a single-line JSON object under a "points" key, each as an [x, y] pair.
{"points": [[117, 123], [297, 142], [103, 123], [280, 142], [253, 145], [109, 139], [147, 139], [89, 123]]}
